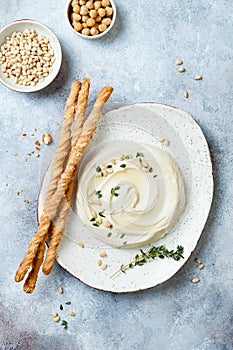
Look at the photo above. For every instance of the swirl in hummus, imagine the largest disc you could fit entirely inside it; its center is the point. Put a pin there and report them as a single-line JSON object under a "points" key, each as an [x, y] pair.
{"points": [[129, 194]]}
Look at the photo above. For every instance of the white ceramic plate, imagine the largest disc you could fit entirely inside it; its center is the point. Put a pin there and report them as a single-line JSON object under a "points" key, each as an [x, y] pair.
{"points": [[146, 123], [20, 26]]}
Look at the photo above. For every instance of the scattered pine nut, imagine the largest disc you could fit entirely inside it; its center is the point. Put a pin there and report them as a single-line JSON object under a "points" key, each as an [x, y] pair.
{"points": [[198, 260], [100, 220], [19, 192], [200, 266], [103, 267], [122, 157], [179, 62], [81, 244], [53, 314], [107, 224], [16, 154], [32, 134], [93, 214], [181, 69], [37, 155], [198, 77], [26, 201], [102, 254], [99, 262], [38, 148], [195, 280], [56, 319], [72, 313], [186, 94], [113, 161], [7, 184], [60, 290], [25, 160]]}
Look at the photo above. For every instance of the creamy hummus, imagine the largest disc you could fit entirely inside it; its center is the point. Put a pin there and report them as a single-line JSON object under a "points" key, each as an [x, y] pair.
{"points": [[129, 194]]}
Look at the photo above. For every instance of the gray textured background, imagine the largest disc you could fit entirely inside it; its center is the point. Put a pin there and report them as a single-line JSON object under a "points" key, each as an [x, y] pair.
{"points": [[137, 58]]}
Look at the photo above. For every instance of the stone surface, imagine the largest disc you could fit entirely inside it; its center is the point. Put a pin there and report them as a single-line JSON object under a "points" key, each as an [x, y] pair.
{"points": [[138, 58]]}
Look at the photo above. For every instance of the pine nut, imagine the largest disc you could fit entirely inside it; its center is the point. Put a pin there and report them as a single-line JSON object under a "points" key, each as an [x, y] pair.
{"points": [[53, 314], [181, 69], [195, 280], [102, 254], [103, 267], [99, 262], [186, 95], [60, 290], [56, 319], [72, 313], [200, 266], [179, 62], [198, 260], [198, 77]]}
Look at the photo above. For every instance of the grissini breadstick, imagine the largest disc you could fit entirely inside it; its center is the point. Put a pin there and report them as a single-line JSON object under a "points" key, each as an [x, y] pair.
{"points": [[58, 224], [70, 171], [59, 163], [30, 282], [60, 156]]}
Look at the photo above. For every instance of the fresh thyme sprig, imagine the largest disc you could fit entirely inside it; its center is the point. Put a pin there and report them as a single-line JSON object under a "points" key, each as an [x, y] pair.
{"points": [[154, 252]]}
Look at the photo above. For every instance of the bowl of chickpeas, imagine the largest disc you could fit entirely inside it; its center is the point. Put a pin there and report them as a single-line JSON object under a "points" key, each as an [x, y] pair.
{"points": [[91, 19]]}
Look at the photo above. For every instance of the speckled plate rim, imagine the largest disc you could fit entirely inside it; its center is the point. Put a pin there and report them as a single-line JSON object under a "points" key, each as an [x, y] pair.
{"points": [[142, 286]]}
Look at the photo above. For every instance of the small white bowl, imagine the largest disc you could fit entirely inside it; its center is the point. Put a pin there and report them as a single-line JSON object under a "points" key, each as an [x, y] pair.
{"points": [[20, 26], [90, 37]]}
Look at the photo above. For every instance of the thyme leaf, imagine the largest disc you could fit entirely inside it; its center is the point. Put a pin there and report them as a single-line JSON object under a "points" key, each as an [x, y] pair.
{"points": [[113, 191], [139, 154], [160, 252]]}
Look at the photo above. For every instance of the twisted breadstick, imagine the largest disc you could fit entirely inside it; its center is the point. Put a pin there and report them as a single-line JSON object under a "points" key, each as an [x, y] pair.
{"points": [[39, 238], [68, 176], [30, 282], [58, 225]]}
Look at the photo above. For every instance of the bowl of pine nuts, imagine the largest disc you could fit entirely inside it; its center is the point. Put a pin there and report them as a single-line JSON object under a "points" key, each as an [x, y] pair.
{"points": [[30, 56], [91, 19]]}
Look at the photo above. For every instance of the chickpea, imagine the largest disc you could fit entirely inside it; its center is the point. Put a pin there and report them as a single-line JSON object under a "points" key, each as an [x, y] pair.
{"points": [[90, 22], [102, 12], [109, 11], [98, 19], [76, 9], [107, 21], [74, 2], [85, 18], [105, 3], [102, 27], [93, 13], [84, 10], [94, 31], [77, 26], [76, 17], [82, 2], [85, 25], [97, 5], [86, 31], [89, 4]]}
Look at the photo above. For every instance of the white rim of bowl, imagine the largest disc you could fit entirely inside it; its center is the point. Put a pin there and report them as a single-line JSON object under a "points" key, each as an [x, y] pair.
{"points": [[60, 54], [90, 37]]}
